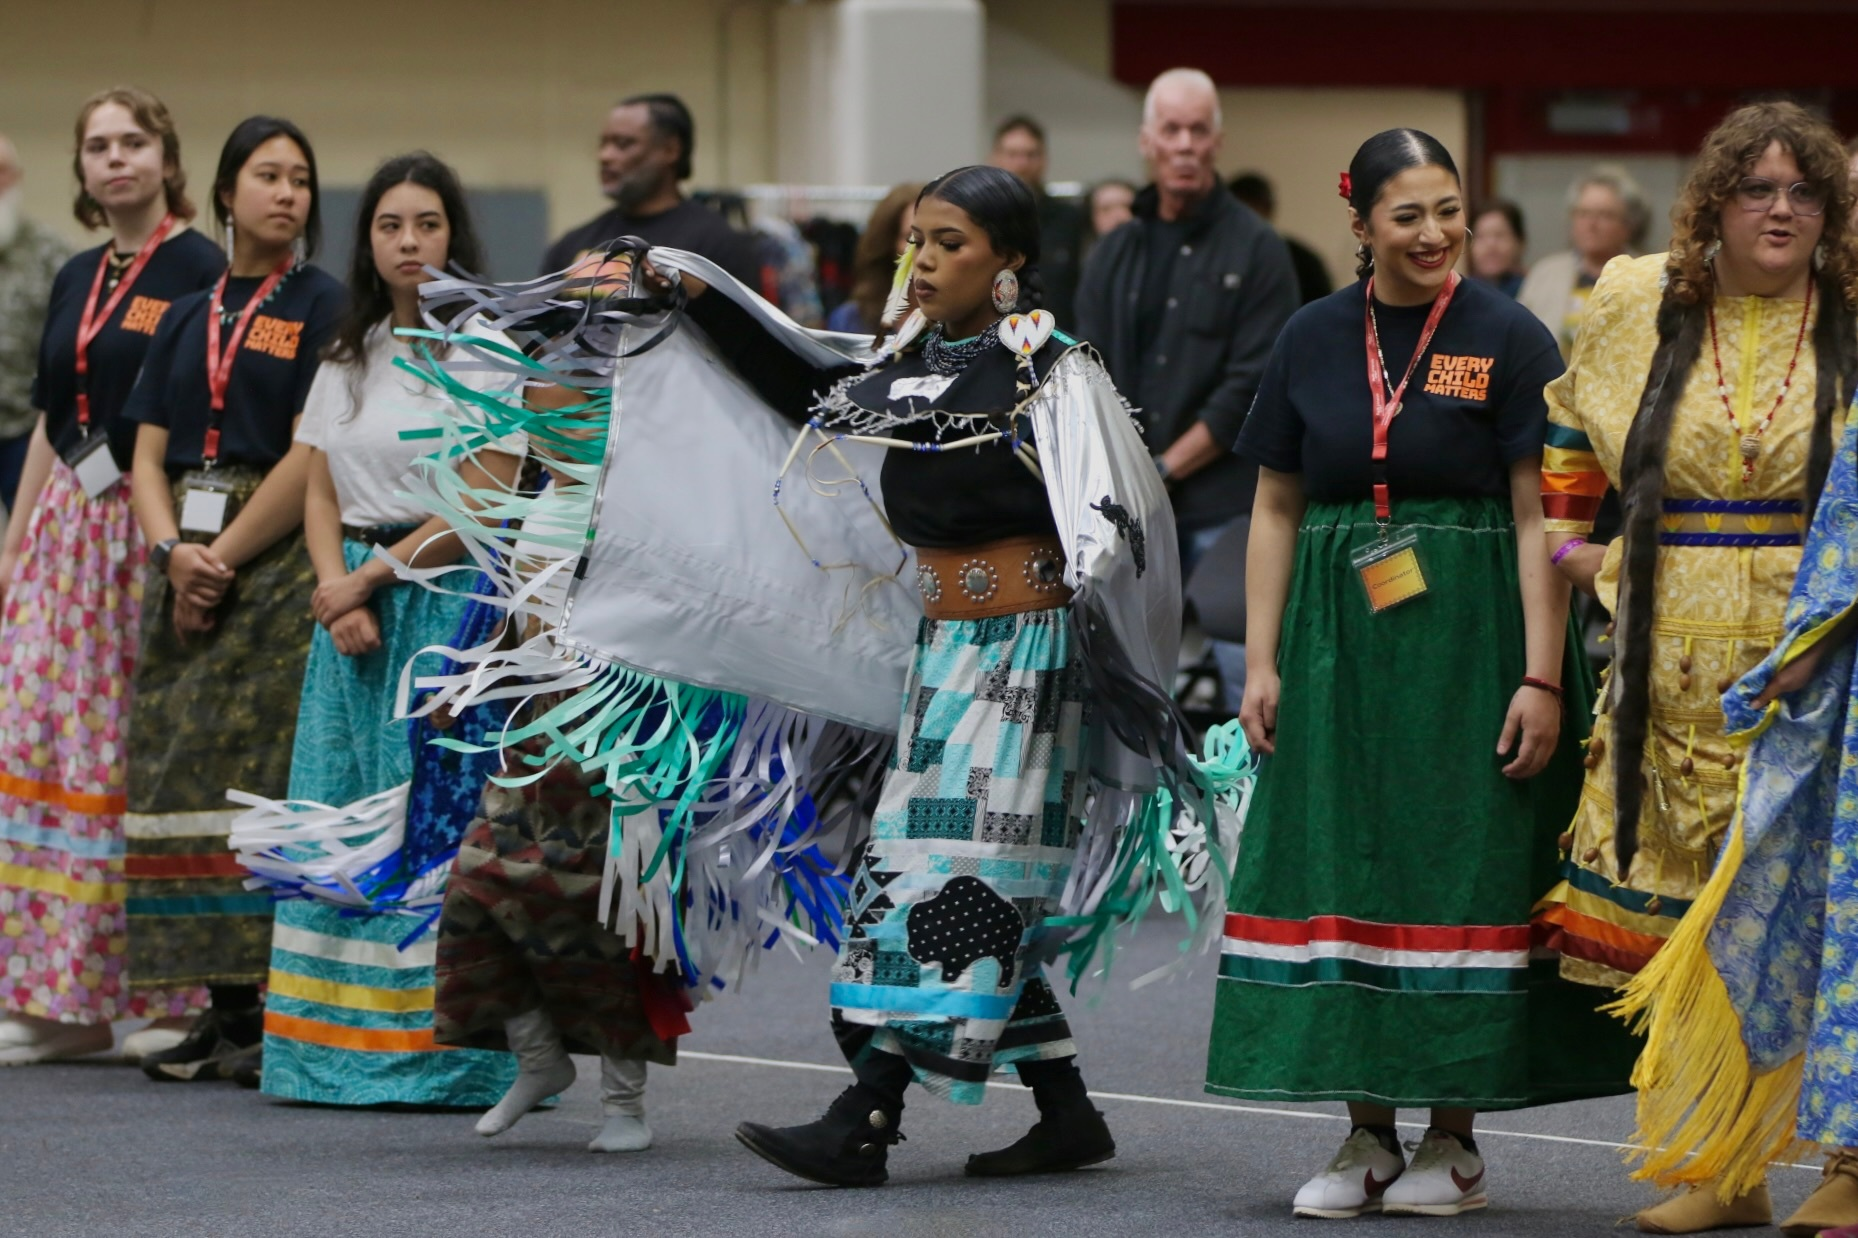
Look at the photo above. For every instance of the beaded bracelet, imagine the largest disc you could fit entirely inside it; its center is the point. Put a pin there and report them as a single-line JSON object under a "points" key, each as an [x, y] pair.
{"points": [[1565, 549], [1553, 689]]}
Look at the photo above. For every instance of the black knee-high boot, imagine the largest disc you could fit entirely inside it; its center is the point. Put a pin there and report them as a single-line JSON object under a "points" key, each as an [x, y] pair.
{"points": [[1069, 1134], [851, 1143]]}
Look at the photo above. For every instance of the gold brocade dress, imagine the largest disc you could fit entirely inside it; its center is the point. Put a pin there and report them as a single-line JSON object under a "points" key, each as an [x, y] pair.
{"points": [[1720, 593]]}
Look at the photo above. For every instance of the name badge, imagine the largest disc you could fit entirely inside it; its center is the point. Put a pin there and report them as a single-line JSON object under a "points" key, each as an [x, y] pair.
{"points": [[95, 467], [206, 504], [1390, 571]]}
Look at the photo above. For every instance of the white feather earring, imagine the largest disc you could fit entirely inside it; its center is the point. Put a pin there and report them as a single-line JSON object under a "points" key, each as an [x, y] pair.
{"points": [[899, 302]]}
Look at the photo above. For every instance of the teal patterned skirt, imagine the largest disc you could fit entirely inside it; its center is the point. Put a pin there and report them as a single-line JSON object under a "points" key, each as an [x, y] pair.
{"points": [[971, 846], [349, 1016]]}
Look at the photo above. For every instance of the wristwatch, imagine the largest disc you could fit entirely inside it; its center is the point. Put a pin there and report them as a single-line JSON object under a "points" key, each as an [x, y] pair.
{"points": [[1161, 467], [161, 552]]}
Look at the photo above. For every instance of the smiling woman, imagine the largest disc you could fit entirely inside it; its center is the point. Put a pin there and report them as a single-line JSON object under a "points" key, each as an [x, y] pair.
{"points": [[1407, 650]]}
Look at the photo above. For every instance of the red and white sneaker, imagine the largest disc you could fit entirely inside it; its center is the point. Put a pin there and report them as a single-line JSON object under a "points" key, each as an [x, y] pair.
{"points": [[1445, 1179], [1354, 1182]]}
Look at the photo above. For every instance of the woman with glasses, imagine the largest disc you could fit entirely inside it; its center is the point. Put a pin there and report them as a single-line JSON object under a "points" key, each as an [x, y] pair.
{"points": [[1606, 218], [1703, 388]]}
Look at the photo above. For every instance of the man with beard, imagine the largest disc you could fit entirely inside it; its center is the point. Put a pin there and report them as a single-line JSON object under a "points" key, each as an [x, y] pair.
{"points": [[30, 256], [645, 152]]}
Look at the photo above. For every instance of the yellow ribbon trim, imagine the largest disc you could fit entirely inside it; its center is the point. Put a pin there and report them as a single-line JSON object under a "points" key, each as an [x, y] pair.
{"points": [[350, 996], [63, 886]]}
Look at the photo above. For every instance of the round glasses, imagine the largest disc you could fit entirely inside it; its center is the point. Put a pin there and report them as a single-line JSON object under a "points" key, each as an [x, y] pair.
{"points": [[1757, 193]]}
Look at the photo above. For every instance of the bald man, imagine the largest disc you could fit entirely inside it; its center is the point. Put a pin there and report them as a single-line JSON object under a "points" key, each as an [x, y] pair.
{"points": [[30, 256], [1184, 303]]}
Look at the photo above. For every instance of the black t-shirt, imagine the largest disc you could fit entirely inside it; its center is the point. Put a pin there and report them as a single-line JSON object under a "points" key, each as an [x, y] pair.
{"points": [[936, 499], [1473, 408], [688, 225], [183, 264], [270, 375]]}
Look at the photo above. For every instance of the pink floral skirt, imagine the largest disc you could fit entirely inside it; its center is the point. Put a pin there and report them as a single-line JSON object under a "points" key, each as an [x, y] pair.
{"points": [[67, 651]]}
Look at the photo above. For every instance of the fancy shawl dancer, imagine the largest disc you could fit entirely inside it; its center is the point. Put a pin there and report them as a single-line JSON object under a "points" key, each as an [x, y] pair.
{"points": [[1047, 579], [1029, 634], [218, 491], [1748, 332], [1409, 648], [72, 570]]}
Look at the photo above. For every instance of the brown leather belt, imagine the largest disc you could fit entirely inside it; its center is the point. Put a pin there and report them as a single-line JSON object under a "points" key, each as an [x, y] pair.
{"points": [[999, 578]]}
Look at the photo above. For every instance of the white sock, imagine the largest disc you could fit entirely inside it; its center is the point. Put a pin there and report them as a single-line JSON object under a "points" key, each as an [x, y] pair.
{"points": [[544, 1070], [622, 1097]]}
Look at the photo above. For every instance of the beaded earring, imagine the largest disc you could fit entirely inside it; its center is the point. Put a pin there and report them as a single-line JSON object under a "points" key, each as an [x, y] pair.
{"points": [[1006, 291]]}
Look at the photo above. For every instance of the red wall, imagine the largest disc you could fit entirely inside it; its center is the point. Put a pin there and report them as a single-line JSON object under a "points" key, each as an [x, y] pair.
{"points": [[1297, 45]]}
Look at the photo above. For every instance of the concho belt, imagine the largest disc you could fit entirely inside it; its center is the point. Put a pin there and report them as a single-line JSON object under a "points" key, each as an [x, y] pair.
{"points": [[999, 578]]}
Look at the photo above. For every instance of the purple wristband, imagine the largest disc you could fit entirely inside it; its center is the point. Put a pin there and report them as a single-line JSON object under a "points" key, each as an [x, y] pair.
{"points": [[1566, 548]]}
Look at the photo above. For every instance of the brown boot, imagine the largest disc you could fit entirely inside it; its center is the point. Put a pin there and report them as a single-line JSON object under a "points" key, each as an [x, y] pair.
{"points": [[1834, 1203], [1698, 1210]]}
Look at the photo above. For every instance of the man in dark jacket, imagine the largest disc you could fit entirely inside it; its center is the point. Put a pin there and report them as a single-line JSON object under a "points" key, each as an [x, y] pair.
{"points": [[1184, 303], [645, 152]]}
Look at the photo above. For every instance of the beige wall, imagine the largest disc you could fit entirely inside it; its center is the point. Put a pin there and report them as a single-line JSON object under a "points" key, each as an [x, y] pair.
{"points": [[515, 100], [512, 94], [1303, 140]]}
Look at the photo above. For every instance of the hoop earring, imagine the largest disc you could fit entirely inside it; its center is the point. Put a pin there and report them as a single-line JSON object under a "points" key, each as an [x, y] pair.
{"points": [[1467, 230], [1364, 254], [1006, 291]]}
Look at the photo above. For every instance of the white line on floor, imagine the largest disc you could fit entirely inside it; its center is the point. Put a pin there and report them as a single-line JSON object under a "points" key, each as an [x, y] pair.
{"points": [[739, 1060]]}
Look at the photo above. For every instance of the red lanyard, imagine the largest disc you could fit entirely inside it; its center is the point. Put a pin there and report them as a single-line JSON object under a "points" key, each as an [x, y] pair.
{"points": [[1386, 406], [219, 364], [90, 322]]}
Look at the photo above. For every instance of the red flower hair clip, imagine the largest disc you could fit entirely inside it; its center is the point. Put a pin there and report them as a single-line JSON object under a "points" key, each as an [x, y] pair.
{"points": [[1346, 188]]}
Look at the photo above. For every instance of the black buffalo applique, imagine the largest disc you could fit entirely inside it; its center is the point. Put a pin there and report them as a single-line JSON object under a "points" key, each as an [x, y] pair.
{"points": [[1126, 525], [963, 924]]}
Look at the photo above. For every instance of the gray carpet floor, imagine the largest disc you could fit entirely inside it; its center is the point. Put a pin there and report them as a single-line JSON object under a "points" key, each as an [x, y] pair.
{"points": [[92, 1148]]}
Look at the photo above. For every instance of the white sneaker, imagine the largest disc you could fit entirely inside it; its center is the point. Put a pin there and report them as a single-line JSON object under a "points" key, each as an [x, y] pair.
{"points": [[1444, 1180], [17, 1031], [47, 1041], [1354, 1182]]}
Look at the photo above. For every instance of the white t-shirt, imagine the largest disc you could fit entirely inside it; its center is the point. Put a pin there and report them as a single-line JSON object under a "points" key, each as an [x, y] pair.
{"points": [[368, 459]]}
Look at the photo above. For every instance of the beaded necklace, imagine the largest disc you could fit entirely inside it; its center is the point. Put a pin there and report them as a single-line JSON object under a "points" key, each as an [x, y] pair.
{"points": [[944, 357], [1751, 438], [228, 316]]}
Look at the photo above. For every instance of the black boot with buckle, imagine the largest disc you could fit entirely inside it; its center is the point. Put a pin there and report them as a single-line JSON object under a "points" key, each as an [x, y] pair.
{"points": [[850, 1144], [1069, 1134]]}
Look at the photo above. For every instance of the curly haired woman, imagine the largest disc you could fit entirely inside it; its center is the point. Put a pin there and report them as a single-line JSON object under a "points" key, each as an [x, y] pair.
{"points": [[1705, 390]]}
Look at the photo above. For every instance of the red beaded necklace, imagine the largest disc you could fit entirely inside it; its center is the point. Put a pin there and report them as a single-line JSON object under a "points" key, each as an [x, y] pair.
{"points": [[1751, 439]]}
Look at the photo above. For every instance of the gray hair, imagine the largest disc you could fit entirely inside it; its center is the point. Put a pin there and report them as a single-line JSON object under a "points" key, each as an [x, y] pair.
{"points": [[1615, 177], [1182, 77]]}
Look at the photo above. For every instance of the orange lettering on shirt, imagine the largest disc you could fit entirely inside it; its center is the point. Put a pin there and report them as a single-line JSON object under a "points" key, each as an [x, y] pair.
{"points": [[1460, 378], [274, 336], [144, 314]]}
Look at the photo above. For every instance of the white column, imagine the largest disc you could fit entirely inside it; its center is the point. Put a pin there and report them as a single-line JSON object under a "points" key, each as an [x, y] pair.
{"points": [[870, 92]]}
